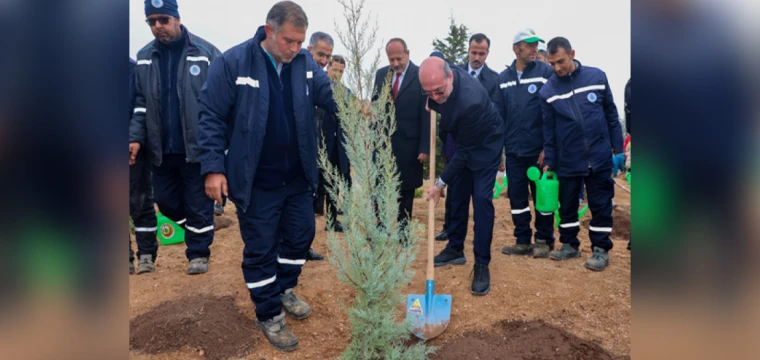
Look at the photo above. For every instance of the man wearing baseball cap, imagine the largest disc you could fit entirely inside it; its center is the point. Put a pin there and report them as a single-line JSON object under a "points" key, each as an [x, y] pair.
{"points": [[541, 52], [520, 106], [169, 75]]}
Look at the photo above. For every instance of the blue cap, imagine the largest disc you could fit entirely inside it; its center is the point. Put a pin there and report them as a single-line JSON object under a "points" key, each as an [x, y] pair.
{"points": [[165, 7]]}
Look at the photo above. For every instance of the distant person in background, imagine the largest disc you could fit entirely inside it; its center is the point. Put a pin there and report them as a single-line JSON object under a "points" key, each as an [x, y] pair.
{"points": [[541, 56], [320, 47]]}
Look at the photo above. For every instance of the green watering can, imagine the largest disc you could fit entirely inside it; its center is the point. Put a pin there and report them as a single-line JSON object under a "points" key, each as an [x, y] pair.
{"points": [[499, 188], [169, 232], [547, 190]]}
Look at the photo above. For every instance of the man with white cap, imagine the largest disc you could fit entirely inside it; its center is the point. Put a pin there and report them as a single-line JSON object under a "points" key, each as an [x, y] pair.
{"points": [[541, 56], [520, 106]]}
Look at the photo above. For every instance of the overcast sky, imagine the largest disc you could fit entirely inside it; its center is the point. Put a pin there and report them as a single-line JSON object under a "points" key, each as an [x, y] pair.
{"points": [[599, 30]]}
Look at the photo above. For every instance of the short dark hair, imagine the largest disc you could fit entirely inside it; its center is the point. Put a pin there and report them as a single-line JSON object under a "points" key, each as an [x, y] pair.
{"points": [[403, 43], [558, 42], [287, 11], [338, 59], [479, 37], [320, 36]]}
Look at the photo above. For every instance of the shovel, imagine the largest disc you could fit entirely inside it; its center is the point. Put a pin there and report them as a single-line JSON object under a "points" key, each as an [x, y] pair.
{"points": [[429, 313]]}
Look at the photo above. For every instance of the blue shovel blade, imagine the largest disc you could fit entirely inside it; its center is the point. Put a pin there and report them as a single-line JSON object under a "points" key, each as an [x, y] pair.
{"points": [[429, 313]]}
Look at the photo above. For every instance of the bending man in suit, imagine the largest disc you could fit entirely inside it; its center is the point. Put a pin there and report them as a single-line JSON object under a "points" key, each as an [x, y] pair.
{"points": [[480, 46], [468, 114], [411, 141]]}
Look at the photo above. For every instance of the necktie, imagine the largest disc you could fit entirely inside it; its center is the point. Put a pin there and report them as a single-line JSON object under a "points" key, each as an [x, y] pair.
{"points": [[473, 73], [394, 91]]}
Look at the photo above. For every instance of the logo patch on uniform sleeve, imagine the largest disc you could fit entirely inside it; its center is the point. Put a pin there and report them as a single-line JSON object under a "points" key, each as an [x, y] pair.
{"points": [[309, 74], [157, 3], [532, 88], [591, 97], [195, 70]]}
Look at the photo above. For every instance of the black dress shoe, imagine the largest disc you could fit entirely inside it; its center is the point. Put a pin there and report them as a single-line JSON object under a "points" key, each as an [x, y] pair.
{"points": [[481, 282], [339, 212], [337, 226], [311, 255], [442, 236]]}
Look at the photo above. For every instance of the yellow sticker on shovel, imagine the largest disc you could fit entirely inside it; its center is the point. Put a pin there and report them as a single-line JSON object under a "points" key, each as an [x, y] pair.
{"points": [[416, 307]]}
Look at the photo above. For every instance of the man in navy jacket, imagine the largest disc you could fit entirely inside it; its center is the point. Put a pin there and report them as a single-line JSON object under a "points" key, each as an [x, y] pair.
{"points": [[468, 114], [520, 107], [141, 201], [581, 131], [258, 102]]}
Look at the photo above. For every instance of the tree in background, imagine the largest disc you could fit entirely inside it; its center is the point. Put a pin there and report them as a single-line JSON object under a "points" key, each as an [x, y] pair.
{"points": [[454, 46], [369, 255]]}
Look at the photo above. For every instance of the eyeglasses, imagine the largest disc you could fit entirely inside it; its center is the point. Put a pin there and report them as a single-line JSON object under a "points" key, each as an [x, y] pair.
{"points": [[436, 92], [163, 20]]}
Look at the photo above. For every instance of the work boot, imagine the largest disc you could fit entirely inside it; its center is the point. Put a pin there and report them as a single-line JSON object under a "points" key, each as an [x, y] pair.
{"points": [[519, 249], [198, 266], [131, 268], [278, 334], [313, 255], [565, 252], [442, 236], [599, 260], [337, 227], [541, 249], [481, 282], [449, 256], [295, 307], [145, 264]]}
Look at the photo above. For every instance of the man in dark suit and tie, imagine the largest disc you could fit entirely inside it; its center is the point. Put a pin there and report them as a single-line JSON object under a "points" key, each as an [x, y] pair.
{"points": [[411, 141], [480, 45], [474, 123]]}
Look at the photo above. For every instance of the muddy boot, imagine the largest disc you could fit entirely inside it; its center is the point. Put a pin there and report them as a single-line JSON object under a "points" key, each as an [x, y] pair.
{"points": [[449, 256], [278, 333], [294, 306], [565, 252], [198, 266], [541, 249], [519, 249], [145, 264], [599, 260]]}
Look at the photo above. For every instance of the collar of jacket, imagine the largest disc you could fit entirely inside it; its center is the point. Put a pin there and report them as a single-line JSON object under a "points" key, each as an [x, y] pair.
{"points": [[528, 67], [188, 46], [575, 72], [260, 36]]}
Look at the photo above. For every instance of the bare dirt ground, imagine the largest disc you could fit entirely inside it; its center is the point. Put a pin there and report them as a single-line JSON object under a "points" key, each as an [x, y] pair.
{"points": [[542, 304]]}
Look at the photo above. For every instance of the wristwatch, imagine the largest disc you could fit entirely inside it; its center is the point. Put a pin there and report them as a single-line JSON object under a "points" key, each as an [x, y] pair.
{"points": [[439, 183]]}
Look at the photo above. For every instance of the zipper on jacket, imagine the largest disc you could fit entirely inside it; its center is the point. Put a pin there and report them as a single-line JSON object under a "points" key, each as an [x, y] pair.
{"points": [[577, 110], [181, 70]]}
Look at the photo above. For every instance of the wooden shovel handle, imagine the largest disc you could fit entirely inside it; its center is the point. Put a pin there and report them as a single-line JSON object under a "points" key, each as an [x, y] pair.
{"points": [[431, 205]]}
